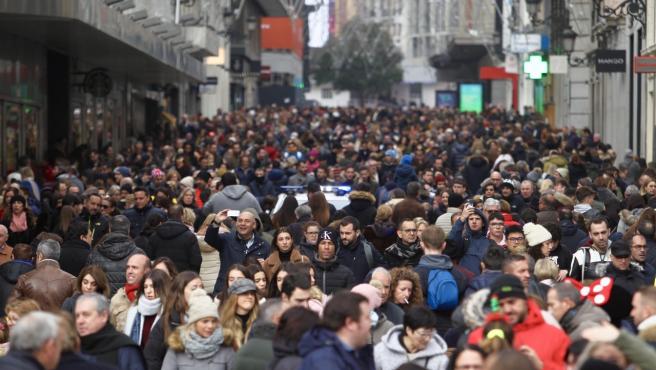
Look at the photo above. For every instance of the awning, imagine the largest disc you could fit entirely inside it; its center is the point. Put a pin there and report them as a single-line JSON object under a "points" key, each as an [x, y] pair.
{"points": [[101, 36]]}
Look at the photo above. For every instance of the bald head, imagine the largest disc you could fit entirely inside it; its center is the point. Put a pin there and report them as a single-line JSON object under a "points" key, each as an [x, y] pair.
{"points": [[138, 265]]}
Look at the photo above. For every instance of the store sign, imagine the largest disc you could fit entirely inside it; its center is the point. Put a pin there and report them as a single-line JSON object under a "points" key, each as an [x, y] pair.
{"points": [[525, 42], [97, 83], [608, 61], [644, 64], [471, 97], [535, 67]]}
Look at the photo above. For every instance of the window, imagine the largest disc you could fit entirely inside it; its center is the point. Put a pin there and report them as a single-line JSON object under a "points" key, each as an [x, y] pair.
{"points": [[326, 93]]}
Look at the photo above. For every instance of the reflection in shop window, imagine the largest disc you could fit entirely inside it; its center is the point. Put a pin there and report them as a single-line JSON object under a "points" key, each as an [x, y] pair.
{"points": [[12, 127], [30, 120]]}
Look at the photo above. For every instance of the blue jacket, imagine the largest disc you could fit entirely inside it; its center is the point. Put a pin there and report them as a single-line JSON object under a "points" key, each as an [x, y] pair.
{"points": [[233, 250], [403, 174], [474, 245], [322, 349], [482, 281], [138, 218]]}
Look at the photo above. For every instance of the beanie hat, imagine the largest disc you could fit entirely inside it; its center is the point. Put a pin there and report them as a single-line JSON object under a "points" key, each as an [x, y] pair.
{"points": [[507, 286], [204, 175], [536, 234], [187, 181], [201, 306], [328, 234], [407, 159], [370, 292]]}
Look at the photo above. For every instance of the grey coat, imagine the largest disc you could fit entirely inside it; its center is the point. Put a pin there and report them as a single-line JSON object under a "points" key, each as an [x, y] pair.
{"points": [[222, 360], [585, 316], [390, 354]]}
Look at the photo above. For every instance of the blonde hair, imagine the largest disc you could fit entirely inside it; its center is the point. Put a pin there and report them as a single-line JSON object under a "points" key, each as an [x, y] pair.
{"points": [[188, 216], [420, 221], [545, 268], [233, 333], [384, 213]]}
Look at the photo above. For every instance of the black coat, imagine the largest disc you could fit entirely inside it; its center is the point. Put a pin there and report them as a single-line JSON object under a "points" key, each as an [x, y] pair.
{"points": [[174, 240], [19, 360], [74, 256], [626, 284], [99, 223], [332, 276], [354, 257], [138, 218], [9, 273], [362, 207], [111, 254], [76, 361]]}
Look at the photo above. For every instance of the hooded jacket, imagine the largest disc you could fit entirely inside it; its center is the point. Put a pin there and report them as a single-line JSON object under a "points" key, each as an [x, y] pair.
{"points": [[571, 235], [390, 354], [475, 172], [9, 274], [74, 255], [362, 207], [235, 197], [321, 348], [473, 245], [112, 254], [532, 332], [585, 315], [173, 239], [332, 276], [403, 174]]}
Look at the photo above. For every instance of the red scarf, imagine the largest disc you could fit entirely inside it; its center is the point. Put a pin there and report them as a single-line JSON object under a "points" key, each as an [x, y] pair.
{"points": [[131, 291]]}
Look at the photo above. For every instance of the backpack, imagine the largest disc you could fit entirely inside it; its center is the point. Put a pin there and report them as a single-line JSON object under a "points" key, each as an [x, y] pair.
{"points": [[442, 290]]}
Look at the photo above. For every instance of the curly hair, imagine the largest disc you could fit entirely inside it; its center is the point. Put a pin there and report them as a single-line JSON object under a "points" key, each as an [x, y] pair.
{"points": [[407, 274]]}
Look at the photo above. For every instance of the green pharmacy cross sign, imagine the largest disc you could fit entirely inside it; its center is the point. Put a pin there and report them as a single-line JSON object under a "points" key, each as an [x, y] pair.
{"points": [[535, 67]]}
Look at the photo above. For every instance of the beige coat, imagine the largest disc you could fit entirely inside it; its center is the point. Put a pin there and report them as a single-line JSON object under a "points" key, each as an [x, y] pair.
{"points": [[118, 309], [209, 268]]}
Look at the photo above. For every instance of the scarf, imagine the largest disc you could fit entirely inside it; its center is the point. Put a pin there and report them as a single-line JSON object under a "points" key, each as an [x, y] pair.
{"points": [[131, 291], [145, 307], [201, 348], [18, 222]]}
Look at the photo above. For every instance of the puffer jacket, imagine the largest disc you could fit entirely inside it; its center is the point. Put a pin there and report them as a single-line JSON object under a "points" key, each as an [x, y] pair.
{"points": [[111, 254], [235, 197], [174, 240], [584, 316], [320, 348], [362, 207], [209, 268], [473, 245], [47, 284], [332, 276], [9, 274], [532, 332], [390, 354]]}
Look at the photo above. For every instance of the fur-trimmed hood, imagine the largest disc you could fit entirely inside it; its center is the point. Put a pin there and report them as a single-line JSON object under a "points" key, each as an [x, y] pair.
{"points": [[362, 195]]}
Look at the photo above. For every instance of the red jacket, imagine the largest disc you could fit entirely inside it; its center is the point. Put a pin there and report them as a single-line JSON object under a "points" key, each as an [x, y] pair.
{"points": [[549, 342]]}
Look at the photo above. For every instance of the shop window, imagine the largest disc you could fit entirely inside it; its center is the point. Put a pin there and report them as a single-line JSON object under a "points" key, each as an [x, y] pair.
{"points": [[12, 135]]}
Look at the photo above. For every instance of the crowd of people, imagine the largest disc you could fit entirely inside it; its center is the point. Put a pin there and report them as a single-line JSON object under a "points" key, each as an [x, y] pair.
{"points": [[490, 241]]}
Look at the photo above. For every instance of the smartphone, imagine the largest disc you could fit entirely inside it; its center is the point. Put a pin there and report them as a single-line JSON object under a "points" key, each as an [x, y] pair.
{"points": [[233, 213]]}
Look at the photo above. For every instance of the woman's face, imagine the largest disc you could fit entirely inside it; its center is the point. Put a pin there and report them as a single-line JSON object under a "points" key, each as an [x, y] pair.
{"points": [[420, 230], [313, 281], [280, 278], [162, 266], [403, 292], [245, 303], [12, 319], [17, 207], [206, 327], [89, 284], [188, 198], [547, 247], [469, 360], [191, 286], [489, 191], [420, 337], [235, 275], [149, 289], [312, 235], [260, 282], [651, 187], [284, 242]]}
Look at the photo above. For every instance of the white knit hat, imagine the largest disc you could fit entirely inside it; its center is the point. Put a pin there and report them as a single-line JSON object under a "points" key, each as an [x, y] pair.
{"points": [[201, 306], [536, 234]]}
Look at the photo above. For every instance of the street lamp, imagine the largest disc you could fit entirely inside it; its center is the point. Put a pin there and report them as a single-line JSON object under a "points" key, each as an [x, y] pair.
{"points": [[569, 39], [636, 9]]}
